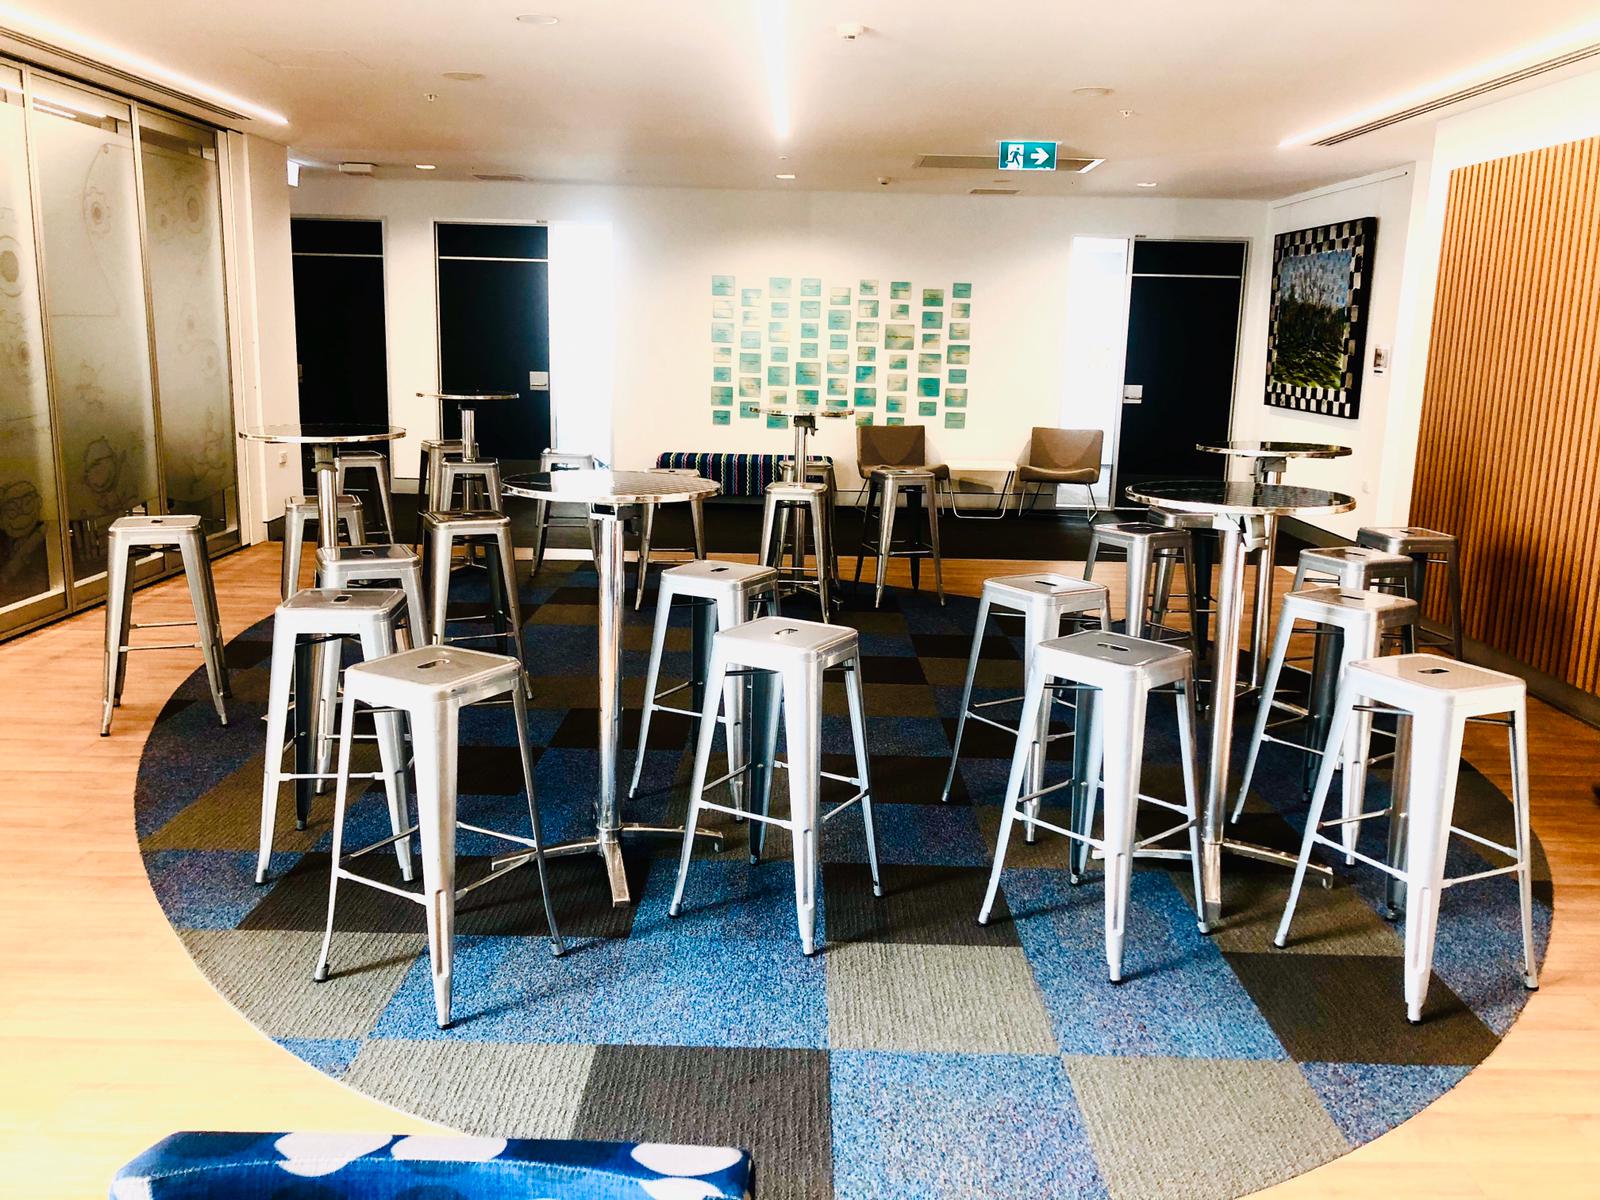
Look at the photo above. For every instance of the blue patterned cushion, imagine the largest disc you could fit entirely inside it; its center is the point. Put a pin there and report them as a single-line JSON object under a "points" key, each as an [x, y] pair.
{"points": [[357, 1166], [739, 474]]}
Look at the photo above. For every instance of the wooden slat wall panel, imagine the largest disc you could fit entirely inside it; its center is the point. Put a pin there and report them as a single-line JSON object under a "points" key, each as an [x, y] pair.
{"points": [[1509, 454]]}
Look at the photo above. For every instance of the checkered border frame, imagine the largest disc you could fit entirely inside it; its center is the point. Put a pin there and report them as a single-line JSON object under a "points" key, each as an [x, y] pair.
{"points": [[1360, 236]]}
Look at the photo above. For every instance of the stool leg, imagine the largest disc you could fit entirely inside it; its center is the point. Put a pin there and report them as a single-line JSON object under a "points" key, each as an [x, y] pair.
{"points": [[192, 551], [508, 574], [1269, 688], [1191, 579], [326, 656], [1519, 803], [127, 626], [1138, 588], [1357, 746], [1121, 743], [1094, 553], [340, 796], [424, 473], [519, 707], [216, 621], [658, 645], [279, 689], [1161, 591], [305, 728], [697, 782], [1034, 632], [378, 642], [294, 536], [355, 525], [416, 610], [966, 695], [1342, 711], [385, 501], [802, 724], [541, 518], [914, 520], [858, 735], [1435, 764], [768, 515], [1189, 763], [886, 513], [871, 486], [817, 509], [1454, 598], [933, 541], [1085, 787], [1199, 564], [697, 514], [725, 615], [117, 610], [438, 567], [1399, 789], [433, 752], [1033, 697], [766, 700], [647, 520]]}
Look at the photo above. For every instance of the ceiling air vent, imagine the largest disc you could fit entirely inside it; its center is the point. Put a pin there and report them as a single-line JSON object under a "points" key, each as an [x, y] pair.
{"points": [[487, 178], [993, 192], [1467, 93], [986, 162]]}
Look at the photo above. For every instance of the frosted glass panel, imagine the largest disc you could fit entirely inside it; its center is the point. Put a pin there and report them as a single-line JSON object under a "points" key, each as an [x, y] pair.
{"points": [[30, 551], [94, 297], [183, 226]]}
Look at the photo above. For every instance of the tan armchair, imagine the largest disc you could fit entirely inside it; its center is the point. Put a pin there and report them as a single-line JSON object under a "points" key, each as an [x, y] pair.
{"points": [[894, 446], [1057, 456]]}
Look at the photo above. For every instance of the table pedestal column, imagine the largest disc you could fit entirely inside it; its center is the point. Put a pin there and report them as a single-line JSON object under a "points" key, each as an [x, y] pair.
{"points": [[1267, 470]]}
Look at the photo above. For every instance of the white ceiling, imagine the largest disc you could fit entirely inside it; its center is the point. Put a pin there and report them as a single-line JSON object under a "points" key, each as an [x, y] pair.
{"points": [[649, 92]]}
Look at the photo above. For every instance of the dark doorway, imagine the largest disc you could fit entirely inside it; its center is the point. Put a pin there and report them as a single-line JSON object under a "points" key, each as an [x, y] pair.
{"points": [[339, 321], [494, 332], [1183, 335]]}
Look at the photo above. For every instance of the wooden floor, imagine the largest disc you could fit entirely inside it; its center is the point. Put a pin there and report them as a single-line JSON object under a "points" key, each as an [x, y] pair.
{"points": [[110, 1038]]}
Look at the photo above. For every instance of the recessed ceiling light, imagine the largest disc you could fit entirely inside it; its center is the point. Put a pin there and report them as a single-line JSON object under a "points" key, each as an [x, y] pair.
{"points": [[464, 76], [1091, 91], [426, 167], [785, 175], [538, 19], [1149, 183]]}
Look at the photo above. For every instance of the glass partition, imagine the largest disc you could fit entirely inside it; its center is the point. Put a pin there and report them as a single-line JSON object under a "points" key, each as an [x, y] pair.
{"points": [[94, 311], [31, 583], [188, 310]]}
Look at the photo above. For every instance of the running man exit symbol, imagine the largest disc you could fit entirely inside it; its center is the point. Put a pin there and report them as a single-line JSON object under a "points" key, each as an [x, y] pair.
{"points": [[1027, 156]]}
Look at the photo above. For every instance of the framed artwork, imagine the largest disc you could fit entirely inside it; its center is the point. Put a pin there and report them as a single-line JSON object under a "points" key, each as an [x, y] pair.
{"points": [[1317, 327]]}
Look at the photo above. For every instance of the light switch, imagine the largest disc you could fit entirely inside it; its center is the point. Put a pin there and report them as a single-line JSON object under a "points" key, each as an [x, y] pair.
{"points": [[539, 381], [1133, 393], [1380, 359]]}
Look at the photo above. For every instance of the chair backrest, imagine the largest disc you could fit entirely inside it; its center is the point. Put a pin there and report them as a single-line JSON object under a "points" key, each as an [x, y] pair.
{"points": [[890, 446], [1065, 449]]}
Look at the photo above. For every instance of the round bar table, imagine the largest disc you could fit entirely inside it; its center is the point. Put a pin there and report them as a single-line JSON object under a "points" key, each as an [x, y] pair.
{"points": [[1237, 511], [1268, 461], [324, 438], [467, 405], [607, 493]]}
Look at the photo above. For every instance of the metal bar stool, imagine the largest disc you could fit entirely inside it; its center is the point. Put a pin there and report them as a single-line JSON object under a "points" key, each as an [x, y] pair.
{"points": [[545, 517], [430, 686], [1433, 698], [346, 461], [1357, 622], [800, 500], [479, 482], [298, 512], [647, 523], [396, 566], [441, 531], [785, 661], [1422, 547], [819, 469], [434, 452], [1198, 561], [721, 595], [326, 615], [1113, 675], [185, 535], [884, 487], [1145, 544], [1353, 568], [1043, 601]]}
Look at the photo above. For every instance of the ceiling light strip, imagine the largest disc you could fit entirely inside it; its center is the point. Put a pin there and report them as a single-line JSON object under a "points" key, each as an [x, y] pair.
{"points": [[1466, 93]]}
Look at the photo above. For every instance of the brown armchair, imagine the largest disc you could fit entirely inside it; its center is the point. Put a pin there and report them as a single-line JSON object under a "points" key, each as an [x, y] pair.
{"points": [[1057, 456], [894, 446]]}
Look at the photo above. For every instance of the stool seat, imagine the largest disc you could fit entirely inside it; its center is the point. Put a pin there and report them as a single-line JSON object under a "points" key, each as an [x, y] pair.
{"points": [[462, 675], [775, 642], [1100, 657], [703, 577], [1405, 539], [1355, 567], [793, 490], [1048, 587], [149, 530]]}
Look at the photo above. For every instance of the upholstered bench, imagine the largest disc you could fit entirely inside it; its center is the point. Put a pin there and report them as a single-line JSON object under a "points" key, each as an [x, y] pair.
{"points": [[739, 474], [359, 1166]]}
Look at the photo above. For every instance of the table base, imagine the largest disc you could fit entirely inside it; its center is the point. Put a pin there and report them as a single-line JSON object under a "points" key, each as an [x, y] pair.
{"points": [[610, 849]]}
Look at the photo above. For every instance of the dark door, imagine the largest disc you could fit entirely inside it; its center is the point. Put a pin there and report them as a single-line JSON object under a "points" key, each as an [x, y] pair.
{"points": [[338, 320], [494, 332], [1183, 334]]}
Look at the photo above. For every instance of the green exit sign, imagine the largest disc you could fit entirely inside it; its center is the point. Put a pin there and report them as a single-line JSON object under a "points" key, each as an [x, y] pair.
{"points": [[1027, 156]]}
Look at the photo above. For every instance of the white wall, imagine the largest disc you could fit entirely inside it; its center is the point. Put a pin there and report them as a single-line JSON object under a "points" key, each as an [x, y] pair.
{"points": [[1387, 196], [266, 390], [665, 245]]}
